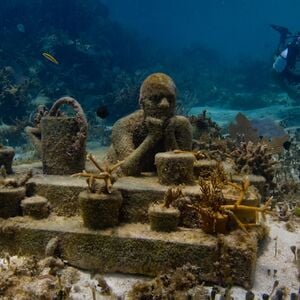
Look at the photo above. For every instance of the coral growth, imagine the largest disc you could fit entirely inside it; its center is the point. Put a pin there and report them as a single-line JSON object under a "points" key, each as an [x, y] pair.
{"points": [[204, 127], [181, 283], [215, 213], [255, 159], [106, 173], [171, 195], [28, 278]]}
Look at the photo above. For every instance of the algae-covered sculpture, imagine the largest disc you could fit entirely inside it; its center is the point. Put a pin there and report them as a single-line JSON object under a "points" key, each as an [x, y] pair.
{"points": [[6, 158], [34, 132], [64, 139], [175, 168], [165, 217], [100, 204], [154, 128]]}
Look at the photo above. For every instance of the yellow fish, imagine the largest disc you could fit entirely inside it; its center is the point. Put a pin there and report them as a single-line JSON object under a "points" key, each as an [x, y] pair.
{"points": [[50, 57]]}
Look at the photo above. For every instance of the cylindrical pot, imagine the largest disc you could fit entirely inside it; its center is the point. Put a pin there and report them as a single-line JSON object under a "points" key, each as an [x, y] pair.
{"points": [[100, 211], [36, 207], [10, 201], [162, 218], [175, 168], [6, 158]]}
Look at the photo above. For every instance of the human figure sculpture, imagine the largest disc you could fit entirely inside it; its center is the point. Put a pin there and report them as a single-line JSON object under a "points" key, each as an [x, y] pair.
{"points": [[34, 133], [154, 128]]}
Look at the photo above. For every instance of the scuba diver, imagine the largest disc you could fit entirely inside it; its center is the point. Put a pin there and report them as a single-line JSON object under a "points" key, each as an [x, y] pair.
{"points": [[286, 57]]}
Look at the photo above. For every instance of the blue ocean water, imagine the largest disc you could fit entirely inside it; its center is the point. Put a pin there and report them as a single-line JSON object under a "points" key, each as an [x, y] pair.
{"points": [[219, 53], [232, 27]]}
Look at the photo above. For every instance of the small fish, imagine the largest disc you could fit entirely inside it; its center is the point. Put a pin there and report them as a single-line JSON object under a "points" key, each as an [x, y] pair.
{"points": [[102, 111], [286, 145], [50, 57], [21, 28]]}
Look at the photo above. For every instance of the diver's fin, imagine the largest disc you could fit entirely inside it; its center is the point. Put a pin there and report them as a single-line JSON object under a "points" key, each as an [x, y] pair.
{"points": [[280, 29]]}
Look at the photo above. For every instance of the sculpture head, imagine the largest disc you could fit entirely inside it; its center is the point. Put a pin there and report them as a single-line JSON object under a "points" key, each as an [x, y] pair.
{"points": [[158, 96]]}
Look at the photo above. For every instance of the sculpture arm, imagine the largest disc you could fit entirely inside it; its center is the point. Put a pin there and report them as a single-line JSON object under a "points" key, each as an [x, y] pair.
{"points": [[34, 134], [122, 135], [133, 163], [178, 134]]}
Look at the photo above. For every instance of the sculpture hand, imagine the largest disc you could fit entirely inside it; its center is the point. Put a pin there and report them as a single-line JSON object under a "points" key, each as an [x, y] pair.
{"points": [[155, 127]]}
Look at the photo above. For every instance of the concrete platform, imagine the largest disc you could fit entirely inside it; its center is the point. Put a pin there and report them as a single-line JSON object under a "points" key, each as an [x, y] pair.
{"points": [[135, 249], [132, 247], [138, 193]]}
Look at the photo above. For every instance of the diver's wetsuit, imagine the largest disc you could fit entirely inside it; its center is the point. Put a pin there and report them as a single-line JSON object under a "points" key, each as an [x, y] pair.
{"points": [[286, 57], [293, 54]]}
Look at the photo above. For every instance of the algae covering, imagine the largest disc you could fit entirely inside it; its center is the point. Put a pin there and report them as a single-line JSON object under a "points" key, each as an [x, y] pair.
{"points": [[63, 139], [136, 249], [10, 201], [163, 219], [100, 211], [175, 168]]}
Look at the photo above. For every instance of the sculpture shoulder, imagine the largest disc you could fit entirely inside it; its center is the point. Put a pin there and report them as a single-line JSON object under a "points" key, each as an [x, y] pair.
{"points": [[180, 121], [130, 121]]}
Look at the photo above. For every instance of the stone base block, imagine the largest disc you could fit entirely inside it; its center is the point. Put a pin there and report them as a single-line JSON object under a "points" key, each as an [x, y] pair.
{"points": [[100, 211], [36, 207], [135, 249], [203, 168], [61, 191], [175, 168], [162, 218], [10, 201]]}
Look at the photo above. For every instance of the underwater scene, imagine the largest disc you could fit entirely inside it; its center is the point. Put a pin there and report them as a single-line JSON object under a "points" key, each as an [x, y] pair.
{"points": [[149, 150]]}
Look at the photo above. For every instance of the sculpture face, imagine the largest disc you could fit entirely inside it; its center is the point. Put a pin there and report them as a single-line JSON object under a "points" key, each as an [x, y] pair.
{"points": [[161, 106], [158, 96]]}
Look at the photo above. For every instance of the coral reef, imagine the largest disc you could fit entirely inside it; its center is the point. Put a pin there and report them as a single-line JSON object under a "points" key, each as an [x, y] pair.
{"points": [[255, 159], [215, 212], [13, 95]]}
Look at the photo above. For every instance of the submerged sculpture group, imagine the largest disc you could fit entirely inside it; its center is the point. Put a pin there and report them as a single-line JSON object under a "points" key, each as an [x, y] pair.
{"points": [[151, 139]]}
